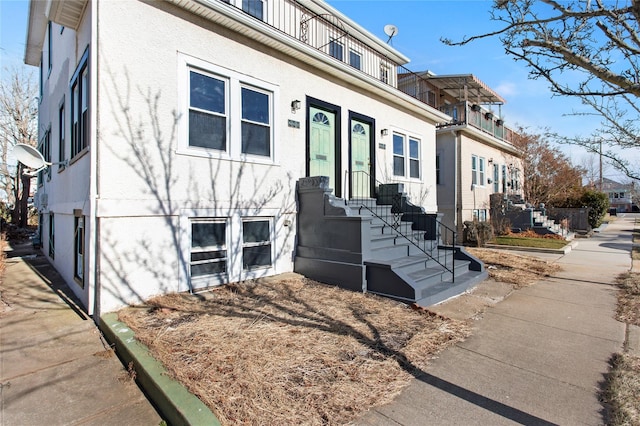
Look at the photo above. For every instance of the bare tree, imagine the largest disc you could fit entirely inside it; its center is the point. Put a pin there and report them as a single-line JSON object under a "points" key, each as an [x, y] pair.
{"points": [[18, 124], [588, 49], [549, 176]]}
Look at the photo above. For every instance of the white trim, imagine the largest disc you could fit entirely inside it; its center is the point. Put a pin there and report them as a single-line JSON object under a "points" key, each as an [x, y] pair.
{"points": [[233, 103]]}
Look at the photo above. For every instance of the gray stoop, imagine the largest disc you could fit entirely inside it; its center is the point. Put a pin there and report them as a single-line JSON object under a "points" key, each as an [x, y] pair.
{"points": [[346, 244]]}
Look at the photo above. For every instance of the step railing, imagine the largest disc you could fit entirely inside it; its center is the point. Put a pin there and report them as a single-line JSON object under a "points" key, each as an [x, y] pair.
{"points": [[428, 234]]}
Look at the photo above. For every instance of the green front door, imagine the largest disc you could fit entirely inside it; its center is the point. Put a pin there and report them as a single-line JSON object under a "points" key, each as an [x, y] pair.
{"points": [[360, 159], [322, 151]]}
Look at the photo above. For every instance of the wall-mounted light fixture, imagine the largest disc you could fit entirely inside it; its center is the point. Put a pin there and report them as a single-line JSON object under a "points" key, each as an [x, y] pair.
{"points": [[295, 105], [384, 132], [491, 160]]}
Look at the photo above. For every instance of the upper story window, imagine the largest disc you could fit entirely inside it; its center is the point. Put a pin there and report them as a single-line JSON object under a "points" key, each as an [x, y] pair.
{"points": [[80, 107], [49, 46], [384, 73], [355, 59], [336, 49], [438, 182], [256, 122], [226, 113], [254, 8], [61, 136]]}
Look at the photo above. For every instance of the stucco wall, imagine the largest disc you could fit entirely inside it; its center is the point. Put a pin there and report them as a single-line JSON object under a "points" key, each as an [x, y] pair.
{"points": [[149, 186]]}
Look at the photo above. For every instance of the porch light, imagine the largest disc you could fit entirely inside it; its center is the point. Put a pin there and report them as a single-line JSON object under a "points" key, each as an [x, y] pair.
{"points": [[295, 105], [384, 132]]}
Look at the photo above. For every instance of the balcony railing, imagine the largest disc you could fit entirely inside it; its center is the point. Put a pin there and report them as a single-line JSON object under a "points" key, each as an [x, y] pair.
{"points": [[330, 35], [464, 113]]}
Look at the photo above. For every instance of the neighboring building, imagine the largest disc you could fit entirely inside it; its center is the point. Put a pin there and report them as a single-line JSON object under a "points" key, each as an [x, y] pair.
{"points": [[475, 157], [182, 127], [621, 195]]}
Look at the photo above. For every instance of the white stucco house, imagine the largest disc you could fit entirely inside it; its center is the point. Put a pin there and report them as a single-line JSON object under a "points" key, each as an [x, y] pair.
{"points": [[179, 131], [475, 156]]}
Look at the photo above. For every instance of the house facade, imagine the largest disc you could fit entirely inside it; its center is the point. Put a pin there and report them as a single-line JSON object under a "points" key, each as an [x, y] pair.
{"points": [[474, 155], [621, 196], [179, 129]]}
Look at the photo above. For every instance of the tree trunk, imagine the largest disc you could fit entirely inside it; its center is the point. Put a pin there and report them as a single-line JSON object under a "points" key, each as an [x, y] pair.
{"points": [[24, 200]]}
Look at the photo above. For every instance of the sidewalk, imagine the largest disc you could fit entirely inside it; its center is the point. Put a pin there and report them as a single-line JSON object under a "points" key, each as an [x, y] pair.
{"points": [[538, 357], [55, 369]]}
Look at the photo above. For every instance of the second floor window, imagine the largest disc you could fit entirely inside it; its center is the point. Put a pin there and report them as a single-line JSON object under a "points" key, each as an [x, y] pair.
{"points": [[336, 49], [355, 59], [80, 108], [207, 112]]}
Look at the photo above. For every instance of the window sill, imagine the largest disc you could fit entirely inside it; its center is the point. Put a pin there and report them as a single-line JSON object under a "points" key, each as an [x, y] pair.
{"points": [[79, 155], [223, 155]]}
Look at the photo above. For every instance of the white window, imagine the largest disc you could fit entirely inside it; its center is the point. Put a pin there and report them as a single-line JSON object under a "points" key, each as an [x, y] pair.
{"points": [[208, 248], [254, 8], [403, 145], [336, 49], [480, 215], [256, 122], [256, 244], [398, 155], [207, 111], [474, 170], [384, 73], [414, 158], [481, 171], [226, 114], [355, 59]]}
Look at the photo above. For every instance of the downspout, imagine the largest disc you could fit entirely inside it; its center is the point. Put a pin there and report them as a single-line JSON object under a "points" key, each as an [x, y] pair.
{"points": [[456, 178], [94, 172]]}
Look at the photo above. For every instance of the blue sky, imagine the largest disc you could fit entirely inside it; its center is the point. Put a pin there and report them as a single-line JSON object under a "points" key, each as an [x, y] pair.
{"points": [[421, 23]]}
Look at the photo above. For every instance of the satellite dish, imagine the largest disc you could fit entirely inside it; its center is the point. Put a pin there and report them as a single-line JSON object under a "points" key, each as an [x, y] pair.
{"points": [[29, 156], [390, 30]]}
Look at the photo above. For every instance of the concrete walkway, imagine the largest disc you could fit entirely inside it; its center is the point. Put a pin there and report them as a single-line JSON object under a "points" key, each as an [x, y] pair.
{"points": [[55, 368], [537, 358]]}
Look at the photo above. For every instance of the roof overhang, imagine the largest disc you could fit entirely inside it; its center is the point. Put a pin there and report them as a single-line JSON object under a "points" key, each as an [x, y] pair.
{"points": [[236, 20], [465, 87], [482, 137], [67, 13]]}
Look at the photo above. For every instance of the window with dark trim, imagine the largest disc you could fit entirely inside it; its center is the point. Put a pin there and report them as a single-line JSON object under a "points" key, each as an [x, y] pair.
{"points": [[336, 49], [78, 272], [49, 47], [52, 247], [496, 178], [80, 108], [355, 59], [438, 169], [62, 149]]}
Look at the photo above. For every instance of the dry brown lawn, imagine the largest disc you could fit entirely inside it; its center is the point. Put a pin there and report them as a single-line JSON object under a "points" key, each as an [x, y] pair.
{"points": [[289, 350], [521, 271]]}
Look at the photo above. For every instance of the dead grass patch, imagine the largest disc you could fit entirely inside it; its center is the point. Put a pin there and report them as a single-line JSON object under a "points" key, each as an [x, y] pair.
{"points": [[521, 271], [629, 298], [290, 351], [623, 390]]}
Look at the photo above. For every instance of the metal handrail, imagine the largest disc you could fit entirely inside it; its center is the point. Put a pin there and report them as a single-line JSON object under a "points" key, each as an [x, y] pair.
{"points": [[363, 192]]}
